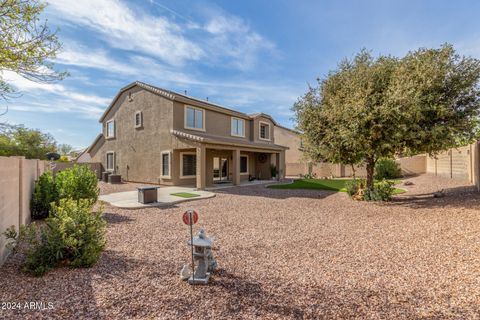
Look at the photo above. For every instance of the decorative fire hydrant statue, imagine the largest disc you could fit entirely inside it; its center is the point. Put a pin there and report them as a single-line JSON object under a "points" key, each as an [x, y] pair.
{"points": [[203, 256]]}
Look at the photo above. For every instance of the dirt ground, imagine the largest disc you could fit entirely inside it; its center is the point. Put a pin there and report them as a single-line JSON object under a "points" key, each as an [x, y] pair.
{"points": [[292, 254]]}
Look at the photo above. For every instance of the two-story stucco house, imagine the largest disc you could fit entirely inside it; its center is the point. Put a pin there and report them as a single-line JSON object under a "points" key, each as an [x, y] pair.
{"points": [[158, 136]]}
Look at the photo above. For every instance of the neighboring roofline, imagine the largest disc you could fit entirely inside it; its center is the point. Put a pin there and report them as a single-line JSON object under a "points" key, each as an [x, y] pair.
{"points": [[175, 96], [212, 140], [292, 130], [264, 115], [93, 143], [84, 150]]}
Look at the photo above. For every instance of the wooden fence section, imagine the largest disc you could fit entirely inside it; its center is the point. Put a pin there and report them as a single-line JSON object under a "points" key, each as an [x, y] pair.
{"points": [[17, 182]]}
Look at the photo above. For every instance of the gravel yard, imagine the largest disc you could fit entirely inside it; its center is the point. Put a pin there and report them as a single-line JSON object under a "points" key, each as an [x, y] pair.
{"points": [[282, 254]]}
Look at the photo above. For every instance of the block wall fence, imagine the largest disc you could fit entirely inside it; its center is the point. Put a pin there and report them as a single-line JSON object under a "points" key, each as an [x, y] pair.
{"points": [[462, 163], [17, 182]]}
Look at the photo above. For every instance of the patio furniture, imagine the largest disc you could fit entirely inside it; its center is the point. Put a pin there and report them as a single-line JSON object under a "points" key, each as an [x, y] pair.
{"points": [[147, 194], [114, 178], [105, 175]]}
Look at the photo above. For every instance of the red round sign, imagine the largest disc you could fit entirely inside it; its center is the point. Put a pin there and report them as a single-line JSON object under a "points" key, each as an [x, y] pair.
{"points": [[186, 217]]}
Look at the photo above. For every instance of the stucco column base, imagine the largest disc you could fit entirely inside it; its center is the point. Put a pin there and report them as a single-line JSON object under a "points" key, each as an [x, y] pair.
{"points": [[236, 166]]}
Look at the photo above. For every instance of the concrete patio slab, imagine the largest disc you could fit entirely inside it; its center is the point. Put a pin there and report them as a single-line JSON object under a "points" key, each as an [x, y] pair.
{"points": [[129, 199]]}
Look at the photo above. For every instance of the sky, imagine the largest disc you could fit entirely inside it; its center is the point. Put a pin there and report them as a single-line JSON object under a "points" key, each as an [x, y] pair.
{"points": [[250, 55]]}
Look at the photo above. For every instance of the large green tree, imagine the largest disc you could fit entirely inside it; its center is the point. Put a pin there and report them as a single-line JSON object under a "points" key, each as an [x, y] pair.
{"points": [[27, 44], [369, 108], [21, 141]]}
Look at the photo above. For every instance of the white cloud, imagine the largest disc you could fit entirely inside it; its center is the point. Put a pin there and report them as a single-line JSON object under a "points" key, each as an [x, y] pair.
{"points": [[222, 39], [81, 56], [25, 85], [56, 106], [125, 29]]}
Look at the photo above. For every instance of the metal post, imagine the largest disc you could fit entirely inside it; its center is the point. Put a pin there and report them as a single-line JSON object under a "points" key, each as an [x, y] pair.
{"points": [[191, 243]]}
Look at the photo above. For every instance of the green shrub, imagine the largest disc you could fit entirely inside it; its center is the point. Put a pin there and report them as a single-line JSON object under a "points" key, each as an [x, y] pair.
{"points": [[44, 194], [63, 159], [273, 170], [382, 191], [72, 236], [353, 186], [78, 182], [387, 169], [81, 230]]}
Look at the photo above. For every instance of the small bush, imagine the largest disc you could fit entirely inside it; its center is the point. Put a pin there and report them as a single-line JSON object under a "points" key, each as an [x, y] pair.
{"points": [[81, 230], [273, 170], [78, 182], [72, 236], [387, 169], [382, 191], [63, 159], [354, 186], [44, 194]]}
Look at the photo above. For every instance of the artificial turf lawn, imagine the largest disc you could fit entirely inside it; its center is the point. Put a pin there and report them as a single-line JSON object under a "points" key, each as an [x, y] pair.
{"points": [[322, 184], [185, 195]]}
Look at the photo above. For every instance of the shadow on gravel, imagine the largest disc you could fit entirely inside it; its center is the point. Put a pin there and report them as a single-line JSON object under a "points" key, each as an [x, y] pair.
{"points": [[245, 297], [466, 197], [264, 192], [114, 218]]}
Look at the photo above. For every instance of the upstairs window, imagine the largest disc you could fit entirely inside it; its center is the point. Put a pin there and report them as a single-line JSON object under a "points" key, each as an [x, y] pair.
{"points": [[110, 129], [194, 118], [138, 119], [238, 127], [264, 131]]}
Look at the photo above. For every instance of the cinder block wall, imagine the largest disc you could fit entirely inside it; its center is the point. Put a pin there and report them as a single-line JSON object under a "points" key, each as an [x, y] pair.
{"points": [[17, 182], [95, 166], [457, 163], [413, 165]]}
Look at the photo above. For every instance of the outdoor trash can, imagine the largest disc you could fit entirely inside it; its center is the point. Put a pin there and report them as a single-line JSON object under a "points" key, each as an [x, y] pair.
{"points": [[114, 178], [147, 194], [105, 175]]}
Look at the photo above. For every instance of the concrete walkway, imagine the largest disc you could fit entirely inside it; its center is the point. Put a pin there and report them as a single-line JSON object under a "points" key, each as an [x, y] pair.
{"points": [[129, 199]]}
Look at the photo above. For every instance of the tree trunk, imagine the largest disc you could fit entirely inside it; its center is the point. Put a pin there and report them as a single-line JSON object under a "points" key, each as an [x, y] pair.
{"points": [[353, 171], [370, 172]]}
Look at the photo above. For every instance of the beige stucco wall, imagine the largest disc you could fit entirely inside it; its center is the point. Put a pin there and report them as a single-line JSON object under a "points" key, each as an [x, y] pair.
{"points": [[17, 182], [292, 140], [138, 150], [216, 123], [255, 130]]}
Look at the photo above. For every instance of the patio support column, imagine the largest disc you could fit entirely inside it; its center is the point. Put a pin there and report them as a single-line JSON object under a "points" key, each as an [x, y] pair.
{"points": [[280, 164], [277, 164], [201, 167], [236, 166]]}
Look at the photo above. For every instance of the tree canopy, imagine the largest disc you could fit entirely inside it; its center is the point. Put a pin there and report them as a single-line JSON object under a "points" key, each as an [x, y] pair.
{"points": [[20, 141], [64, 149], [27, 44], [369, 108]]}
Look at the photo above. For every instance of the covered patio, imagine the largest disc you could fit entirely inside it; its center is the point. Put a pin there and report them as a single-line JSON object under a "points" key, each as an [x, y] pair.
{"points": [[208, 162]]}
